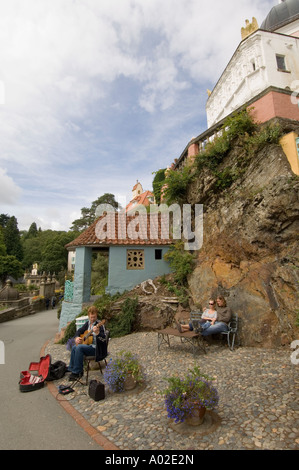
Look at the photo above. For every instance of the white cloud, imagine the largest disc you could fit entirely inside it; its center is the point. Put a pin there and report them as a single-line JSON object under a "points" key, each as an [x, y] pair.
{"points": [[9, 190], [95, 91]]}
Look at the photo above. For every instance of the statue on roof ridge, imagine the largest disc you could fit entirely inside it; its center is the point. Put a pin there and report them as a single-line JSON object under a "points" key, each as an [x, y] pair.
{"points": [[249, 28]]}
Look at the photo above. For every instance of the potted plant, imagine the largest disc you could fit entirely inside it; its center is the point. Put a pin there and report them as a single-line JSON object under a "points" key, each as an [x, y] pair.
{"points": [[188, 398], [123, 372]]}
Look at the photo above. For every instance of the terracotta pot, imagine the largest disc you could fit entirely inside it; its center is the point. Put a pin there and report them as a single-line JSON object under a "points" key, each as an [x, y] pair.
{"points": [[130, 382], [197, 417]]}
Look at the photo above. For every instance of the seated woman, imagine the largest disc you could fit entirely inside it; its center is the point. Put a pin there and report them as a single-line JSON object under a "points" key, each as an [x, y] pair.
{"points": [[208, 319]]}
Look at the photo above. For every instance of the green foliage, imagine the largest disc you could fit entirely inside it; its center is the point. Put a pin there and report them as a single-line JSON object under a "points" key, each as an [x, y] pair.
{"points": [[177, 185], [12, 238], [123, 364], [181, 262], [2, 244], [269, 134], [70, 331], [226, 177], [158, 182], [121, 324], [10, 266], [240, 123], [118, 326], [183, 394], [242, 126], [214, 153], [103, 304], [53, 252], [99, 274], [88, 215]]}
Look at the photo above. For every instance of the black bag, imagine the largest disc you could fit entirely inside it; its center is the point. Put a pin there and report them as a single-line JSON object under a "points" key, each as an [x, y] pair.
{"points": [[96, 390], [56, 371]]}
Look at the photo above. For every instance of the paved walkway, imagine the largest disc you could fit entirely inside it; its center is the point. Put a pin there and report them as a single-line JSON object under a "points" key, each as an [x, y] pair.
{"points": [[258, 406]]}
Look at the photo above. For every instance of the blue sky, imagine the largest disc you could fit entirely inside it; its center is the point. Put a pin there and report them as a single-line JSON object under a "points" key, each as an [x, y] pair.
{"points": [[95, 94]]}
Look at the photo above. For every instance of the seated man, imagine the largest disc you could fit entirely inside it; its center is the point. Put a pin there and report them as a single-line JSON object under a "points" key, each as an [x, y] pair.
{"points": [[96, 333]]}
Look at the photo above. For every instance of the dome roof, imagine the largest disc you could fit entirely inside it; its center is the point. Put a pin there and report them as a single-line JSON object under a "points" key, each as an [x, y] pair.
{"points": [[281, 14]]}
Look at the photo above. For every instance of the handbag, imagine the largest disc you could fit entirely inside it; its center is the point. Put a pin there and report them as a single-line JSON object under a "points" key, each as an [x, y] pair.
{"points": [[96, 390]]}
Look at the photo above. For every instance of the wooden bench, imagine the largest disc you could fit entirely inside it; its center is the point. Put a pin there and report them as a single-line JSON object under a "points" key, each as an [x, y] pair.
{"points": [[195, 339]]}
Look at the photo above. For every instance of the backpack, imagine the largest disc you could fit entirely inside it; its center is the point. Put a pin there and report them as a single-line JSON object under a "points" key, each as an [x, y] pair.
{"points": [[56, 371]]}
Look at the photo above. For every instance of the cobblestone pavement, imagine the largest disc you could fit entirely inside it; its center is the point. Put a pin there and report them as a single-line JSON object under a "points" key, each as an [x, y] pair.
{"points": [[258, 390]]}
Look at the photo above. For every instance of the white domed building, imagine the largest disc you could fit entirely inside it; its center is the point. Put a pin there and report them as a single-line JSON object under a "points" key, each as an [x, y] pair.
{"points": [[264, 70], [262, 75]]}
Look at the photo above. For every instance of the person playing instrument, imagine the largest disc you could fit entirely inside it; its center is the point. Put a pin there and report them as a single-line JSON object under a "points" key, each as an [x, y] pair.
{"points": [[90, 332]]}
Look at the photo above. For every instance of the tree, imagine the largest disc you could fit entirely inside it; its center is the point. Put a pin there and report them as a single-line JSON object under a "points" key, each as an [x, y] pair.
{"points": [[88, 215], [2, 244], [12, 239], [4, 218], [53, 252], [32, 249], [10, 266]]}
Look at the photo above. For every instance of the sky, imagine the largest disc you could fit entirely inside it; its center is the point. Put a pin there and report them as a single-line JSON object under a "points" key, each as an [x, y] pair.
{"points": [[97, 94]]}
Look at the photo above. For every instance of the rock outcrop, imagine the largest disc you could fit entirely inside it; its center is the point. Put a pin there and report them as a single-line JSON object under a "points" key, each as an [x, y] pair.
{"points": [[250, 249]]}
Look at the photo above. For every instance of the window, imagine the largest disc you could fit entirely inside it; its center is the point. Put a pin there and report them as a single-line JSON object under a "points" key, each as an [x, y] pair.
{"points": [[135, 259], [281, 63], [158, 254]]}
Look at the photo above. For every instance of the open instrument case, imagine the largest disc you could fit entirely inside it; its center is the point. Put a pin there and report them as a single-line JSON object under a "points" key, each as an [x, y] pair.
{"points": [[28, 381]]}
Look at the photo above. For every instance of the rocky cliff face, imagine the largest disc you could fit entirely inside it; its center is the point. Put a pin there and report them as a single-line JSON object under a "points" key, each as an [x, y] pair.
{"points": [[250, 250]]}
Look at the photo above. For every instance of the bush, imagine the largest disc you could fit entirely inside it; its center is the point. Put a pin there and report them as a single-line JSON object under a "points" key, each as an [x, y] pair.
{"points": [[158, 182], [181, 261], [269, 134], [177, 185], [239, 124], [122, 324]]}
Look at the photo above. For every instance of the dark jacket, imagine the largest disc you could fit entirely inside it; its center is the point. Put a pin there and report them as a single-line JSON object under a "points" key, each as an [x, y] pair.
{"points": [[101, 343], [224, 314]]}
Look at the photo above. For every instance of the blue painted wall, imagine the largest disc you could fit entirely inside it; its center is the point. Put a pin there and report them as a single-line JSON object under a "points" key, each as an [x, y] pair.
{"points": [[120, 278], [82, 283]]}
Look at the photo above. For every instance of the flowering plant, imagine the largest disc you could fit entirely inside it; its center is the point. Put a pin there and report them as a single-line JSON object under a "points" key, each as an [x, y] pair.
{"points": [[184, 394], [117, 370]]}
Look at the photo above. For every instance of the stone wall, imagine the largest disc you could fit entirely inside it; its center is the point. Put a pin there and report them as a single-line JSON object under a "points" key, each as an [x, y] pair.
{"points": [[16, 309]]}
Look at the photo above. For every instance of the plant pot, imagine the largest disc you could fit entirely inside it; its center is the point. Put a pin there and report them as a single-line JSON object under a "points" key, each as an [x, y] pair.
{"points": [[197, 417], [130, 382]]}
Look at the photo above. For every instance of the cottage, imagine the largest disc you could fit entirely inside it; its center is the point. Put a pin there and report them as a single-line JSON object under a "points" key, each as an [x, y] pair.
{"points": [[136, 246]]}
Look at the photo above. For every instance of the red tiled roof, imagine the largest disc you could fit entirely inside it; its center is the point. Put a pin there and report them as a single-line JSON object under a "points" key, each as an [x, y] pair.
{"points": [[120, 229], [141, 199]]}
